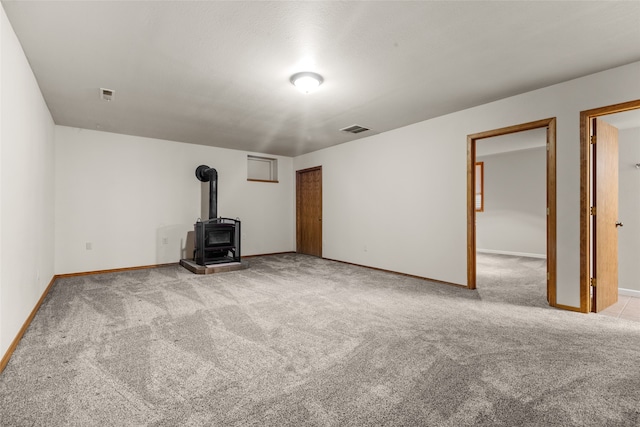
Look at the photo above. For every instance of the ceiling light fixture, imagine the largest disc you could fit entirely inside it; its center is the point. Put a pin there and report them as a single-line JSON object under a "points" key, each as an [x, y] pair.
{"points": [[306, 81]]}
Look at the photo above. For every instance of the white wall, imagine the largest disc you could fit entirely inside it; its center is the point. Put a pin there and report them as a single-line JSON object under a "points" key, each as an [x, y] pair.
{"points": [[397, 200], [514, 220], [629, 209], [125, 195], [26, 188]]}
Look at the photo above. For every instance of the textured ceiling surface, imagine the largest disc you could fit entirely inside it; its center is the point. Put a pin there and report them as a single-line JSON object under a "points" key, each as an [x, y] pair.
{"points": [[217, 73]]}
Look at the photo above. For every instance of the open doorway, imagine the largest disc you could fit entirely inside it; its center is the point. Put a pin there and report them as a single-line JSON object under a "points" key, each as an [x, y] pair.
{"points": [[600, 222], [549, 130], [511, 252]]}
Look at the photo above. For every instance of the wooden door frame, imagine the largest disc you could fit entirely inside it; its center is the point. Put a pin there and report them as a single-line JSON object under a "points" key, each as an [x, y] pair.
{"points": [[550, 124], [585, 193], [298, 173]]}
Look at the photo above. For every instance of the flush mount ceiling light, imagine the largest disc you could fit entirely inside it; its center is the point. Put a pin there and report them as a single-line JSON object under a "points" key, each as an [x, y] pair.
{"points": [[306, 81]]}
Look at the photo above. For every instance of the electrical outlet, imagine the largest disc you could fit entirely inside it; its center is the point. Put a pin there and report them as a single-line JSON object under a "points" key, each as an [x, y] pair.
{"points": [[89, 246], [165, 241]]}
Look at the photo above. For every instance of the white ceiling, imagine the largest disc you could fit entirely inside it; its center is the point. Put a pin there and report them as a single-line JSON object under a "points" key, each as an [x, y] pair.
{"points": [[217, 73]]}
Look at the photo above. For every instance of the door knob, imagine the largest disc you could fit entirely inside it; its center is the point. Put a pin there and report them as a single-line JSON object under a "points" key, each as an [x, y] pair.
{"points": [[619, 224]]}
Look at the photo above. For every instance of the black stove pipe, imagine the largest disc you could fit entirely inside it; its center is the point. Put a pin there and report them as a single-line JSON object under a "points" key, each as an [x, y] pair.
{"points": [[206, 174]]}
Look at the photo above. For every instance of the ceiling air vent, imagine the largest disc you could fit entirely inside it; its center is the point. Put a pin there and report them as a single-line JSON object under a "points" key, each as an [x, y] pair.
{"points": [[354, 129], [106, 94]]}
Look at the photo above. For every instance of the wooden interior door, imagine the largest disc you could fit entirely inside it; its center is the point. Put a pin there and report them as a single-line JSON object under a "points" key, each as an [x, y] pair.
{"points": [[605, 218], [309, 211]]}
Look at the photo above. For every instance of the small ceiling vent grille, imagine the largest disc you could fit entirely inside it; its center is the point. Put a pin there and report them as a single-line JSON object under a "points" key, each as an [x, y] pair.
{"points": [[354, 129], [106, 94]]}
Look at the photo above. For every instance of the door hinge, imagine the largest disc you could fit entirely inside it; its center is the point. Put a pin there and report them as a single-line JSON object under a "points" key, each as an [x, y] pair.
{"points": [[547, 211], [593, 282], [548, 147], [593, 210], [593, 139], [548, 276]]}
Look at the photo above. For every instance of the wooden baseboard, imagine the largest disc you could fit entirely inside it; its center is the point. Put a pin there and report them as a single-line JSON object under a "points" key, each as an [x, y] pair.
{"points": [[273, 253], [401, 274], [114, 270], [16, 340]]}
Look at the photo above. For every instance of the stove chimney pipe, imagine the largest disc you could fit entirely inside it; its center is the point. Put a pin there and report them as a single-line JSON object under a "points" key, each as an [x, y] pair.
{"points": [[206, 174]]}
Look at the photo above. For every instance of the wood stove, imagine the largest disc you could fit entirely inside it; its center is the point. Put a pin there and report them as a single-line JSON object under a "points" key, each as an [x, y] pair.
{"points": [[217, 240]]}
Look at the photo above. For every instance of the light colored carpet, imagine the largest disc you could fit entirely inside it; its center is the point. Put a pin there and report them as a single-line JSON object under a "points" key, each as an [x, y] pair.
{"points": [[302, 341], [511, 280]]}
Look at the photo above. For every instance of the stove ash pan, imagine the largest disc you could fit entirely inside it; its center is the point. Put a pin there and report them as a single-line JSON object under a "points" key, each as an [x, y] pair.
{"points": [[217, 241]]}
